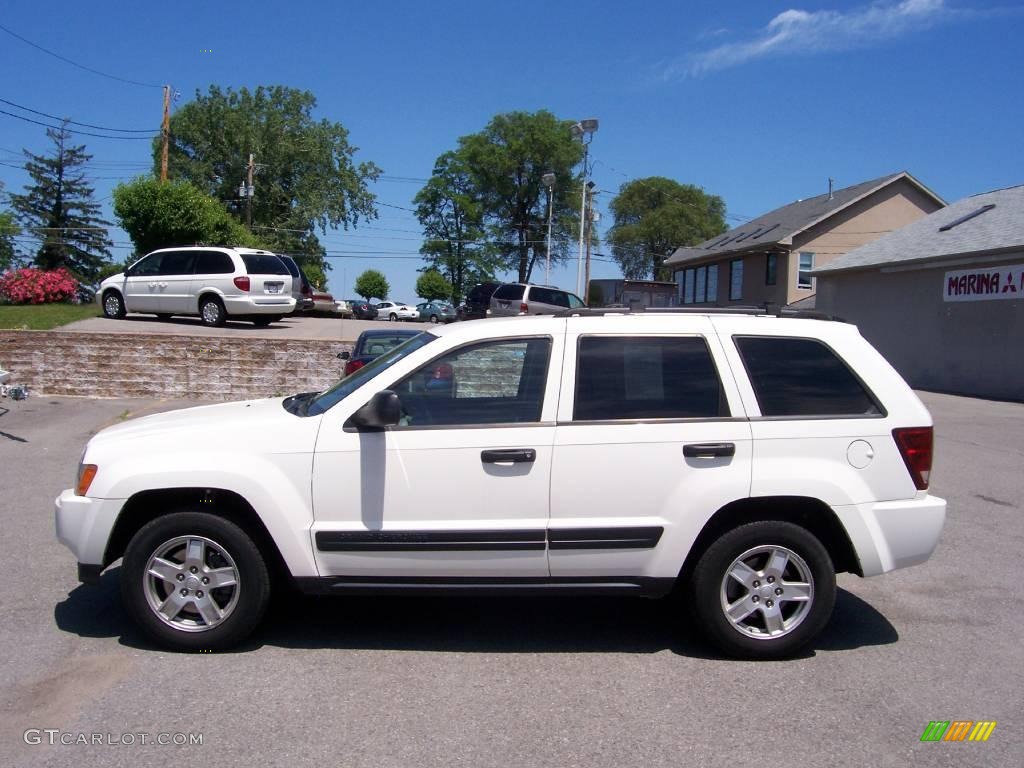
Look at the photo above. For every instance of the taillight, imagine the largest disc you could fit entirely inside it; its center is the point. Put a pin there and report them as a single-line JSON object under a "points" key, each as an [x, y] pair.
{"points": [[915, 444], [353, 365], [524, 308], [242, 282]]}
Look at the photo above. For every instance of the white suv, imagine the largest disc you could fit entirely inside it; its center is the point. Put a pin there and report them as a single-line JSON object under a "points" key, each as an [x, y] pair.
{"points": [[743, 459], [214, 283]]}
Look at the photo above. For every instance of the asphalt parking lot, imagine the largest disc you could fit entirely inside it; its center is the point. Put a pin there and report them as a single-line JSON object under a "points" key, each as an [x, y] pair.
{"points": [[514, 682], [303, 326]]}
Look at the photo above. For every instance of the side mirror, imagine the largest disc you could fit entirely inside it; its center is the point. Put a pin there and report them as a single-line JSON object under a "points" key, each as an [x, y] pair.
{"points": [[344, 355], [383, 410]]}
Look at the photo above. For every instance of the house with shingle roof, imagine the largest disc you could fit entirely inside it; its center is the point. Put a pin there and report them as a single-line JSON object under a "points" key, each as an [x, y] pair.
{"points": [[771, 259], [943, 297]]}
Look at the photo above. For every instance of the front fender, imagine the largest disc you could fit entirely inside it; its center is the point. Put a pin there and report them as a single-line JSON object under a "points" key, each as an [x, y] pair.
{"points": [[278, 490]]}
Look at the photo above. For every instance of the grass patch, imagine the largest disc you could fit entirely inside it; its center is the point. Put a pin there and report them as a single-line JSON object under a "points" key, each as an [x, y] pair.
{"points": [[43, 317]]}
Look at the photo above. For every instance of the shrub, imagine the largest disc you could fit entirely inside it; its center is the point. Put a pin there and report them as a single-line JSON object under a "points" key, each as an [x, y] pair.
{"points": [[36, 286]]}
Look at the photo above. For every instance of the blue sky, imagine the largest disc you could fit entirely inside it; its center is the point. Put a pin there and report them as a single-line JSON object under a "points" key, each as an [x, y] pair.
{"points": [[759, 102]]}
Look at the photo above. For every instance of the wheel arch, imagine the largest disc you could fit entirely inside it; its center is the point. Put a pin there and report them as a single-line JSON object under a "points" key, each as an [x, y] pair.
{"points": [[812, 514], [148, 505]]}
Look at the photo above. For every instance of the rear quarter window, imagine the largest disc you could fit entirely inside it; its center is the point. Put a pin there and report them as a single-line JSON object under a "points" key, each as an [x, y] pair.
{"points": [[803, 377]]}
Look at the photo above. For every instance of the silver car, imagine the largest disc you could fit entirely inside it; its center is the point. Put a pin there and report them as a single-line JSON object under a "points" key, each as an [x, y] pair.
{"points": [[526, 299]]}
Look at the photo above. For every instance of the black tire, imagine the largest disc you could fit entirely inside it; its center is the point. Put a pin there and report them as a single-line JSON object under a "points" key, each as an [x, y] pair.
{"points": [[433, 318], [244, 603], [263, 322], [393, 317], [164, 316], [211, 311], [796, 623], [113, 305]]}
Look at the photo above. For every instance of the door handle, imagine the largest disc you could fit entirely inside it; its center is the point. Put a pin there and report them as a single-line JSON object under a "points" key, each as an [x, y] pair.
{"points": [[708, 450], [163, 285], [513, 455]]}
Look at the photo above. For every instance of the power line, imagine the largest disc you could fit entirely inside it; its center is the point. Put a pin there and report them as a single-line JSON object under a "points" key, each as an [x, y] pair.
{"points": [[77, 132], [75, 122], [75, 63]]}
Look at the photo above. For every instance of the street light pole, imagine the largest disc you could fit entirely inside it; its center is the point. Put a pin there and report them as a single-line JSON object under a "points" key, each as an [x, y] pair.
{"points": [[584, 131], [549, 182]]}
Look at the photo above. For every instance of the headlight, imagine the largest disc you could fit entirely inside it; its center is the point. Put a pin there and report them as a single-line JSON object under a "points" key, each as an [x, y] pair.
{"points": [[86, 473]]}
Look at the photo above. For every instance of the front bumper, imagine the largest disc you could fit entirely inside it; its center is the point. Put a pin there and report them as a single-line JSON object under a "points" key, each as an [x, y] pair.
{"points": [[84, 525]]}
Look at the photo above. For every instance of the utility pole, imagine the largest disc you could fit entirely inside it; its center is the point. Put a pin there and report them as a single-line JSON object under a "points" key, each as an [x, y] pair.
{"points": [[249, 192], [590, 223], [165, 133]]}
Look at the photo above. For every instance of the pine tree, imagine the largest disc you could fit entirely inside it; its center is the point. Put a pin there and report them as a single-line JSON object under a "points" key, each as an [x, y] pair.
{"points": [[8, 230], [58, 209]]}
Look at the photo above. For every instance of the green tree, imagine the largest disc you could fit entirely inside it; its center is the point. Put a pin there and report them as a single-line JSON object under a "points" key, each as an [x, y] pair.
{"points": [[305, 180], [58, 209], [506, 162], [159, 215], [431, 285], [653, 217], [452, 219], [8, 231], [372, 285]]}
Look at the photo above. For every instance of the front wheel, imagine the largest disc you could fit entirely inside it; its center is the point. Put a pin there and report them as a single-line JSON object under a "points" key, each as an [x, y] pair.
{"points": [[113, 305], [393, 317], [194, 581], [763, 590]]}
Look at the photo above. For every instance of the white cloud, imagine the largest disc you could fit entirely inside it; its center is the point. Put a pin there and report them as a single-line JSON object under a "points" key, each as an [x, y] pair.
{"points": [[796, 32]]}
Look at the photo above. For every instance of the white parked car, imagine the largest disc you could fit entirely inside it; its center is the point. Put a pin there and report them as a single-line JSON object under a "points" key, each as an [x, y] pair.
{"points": [[214, 283], [742, 460], [396, 310]]}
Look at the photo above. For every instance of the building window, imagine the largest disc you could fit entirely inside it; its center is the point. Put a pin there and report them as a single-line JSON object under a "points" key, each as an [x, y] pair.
{"points": [[736, 280], [688, 287], [712, 283], [700, 294], [804, 279], [771, 269]]}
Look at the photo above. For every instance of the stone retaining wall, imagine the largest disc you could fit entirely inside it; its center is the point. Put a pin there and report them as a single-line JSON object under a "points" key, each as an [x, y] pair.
{"points": [[130, 365]]}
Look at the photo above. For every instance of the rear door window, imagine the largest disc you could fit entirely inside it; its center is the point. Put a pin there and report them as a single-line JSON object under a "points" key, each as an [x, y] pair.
{"points": [[213, 263], [803, 377], [646, 377]]}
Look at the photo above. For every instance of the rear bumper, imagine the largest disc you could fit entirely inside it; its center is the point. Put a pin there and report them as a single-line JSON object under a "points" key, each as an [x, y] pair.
{"points": [[894, 534], [259, 305]]}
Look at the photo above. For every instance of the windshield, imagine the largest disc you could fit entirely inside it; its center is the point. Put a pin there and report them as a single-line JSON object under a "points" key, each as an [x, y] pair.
{"points": [[357, 378]]}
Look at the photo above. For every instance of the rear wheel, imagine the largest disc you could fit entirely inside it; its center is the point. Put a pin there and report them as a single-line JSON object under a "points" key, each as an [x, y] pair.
{"points": [[763, 590], [393, 317], [194, 581], [433, 318], [263, 322], [113, 305], [211, 311]]}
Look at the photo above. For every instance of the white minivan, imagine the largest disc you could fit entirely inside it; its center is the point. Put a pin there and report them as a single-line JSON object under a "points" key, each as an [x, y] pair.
{"points": [[215, 283]]}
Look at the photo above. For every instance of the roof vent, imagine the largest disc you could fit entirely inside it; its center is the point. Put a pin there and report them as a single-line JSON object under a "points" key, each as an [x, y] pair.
{"points": [[967, 217]]}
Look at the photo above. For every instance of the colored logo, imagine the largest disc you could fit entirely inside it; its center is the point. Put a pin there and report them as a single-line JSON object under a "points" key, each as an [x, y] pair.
{"points": [[958, 730]]}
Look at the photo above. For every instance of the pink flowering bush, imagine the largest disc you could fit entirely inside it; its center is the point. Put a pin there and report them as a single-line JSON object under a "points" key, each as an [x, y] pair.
{"points": [[36, 286]]}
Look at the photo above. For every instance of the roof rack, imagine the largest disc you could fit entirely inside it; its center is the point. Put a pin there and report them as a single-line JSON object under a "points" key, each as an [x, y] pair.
{"points": [[763, 311]]}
